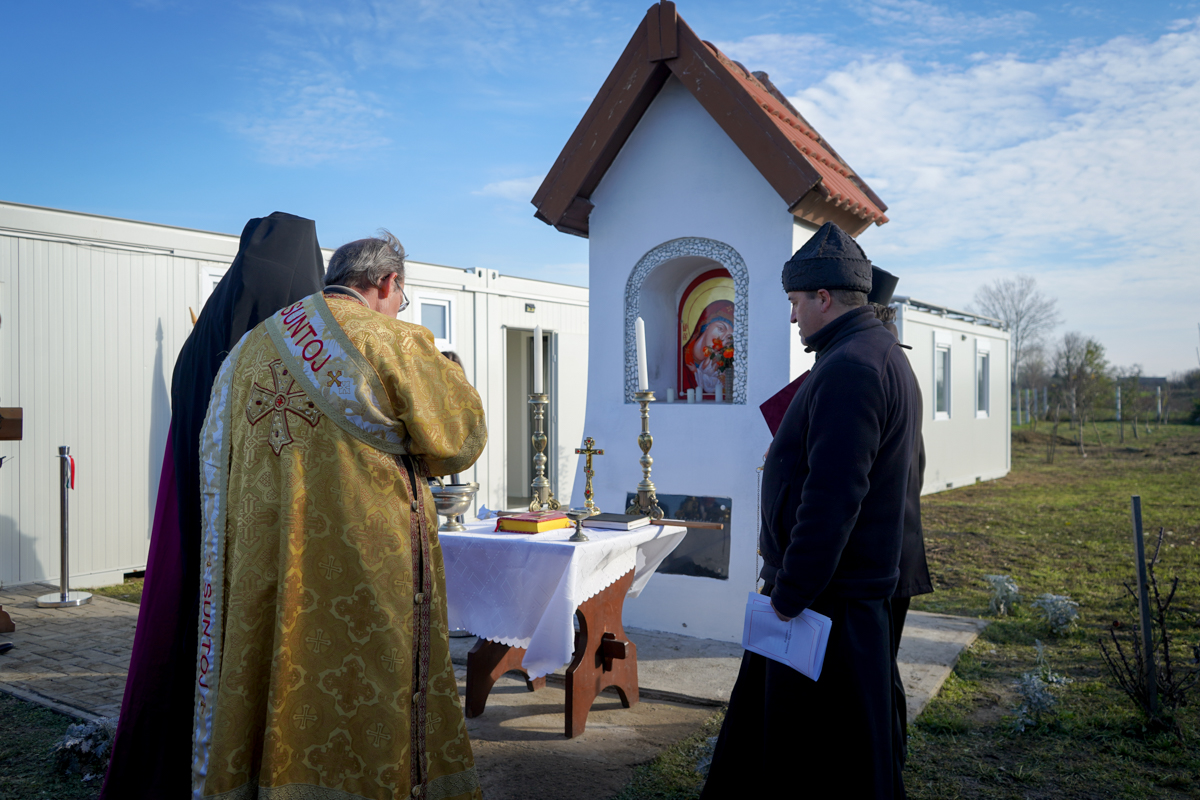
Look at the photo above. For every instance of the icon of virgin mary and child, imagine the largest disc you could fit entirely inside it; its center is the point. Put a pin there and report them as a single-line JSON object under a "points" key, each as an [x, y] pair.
{"points": [[706, 316]]}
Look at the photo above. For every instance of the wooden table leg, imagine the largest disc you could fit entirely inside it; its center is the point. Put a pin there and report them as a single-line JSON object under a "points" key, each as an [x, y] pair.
{"points": [[486, 662], [604, 656]]}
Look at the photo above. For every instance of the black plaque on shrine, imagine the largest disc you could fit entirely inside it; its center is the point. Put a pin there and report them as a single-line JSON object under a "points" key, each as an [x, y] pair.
{"points": [[703, 553]]}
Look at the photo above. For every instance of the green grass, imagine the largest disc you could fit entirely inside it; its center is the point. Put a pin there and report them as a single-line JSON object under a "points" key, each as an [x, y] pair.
{"points": [[1062, 528], [130, 591], [28, 732], [672, 774]]}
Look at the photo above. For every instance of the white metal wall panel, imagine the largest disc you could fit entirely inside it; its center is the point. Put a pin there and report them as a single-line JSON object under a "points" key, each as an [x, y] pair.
{"points": [[93, 376], [90, 334], [11, 541], [95, 311], [963, 448]]}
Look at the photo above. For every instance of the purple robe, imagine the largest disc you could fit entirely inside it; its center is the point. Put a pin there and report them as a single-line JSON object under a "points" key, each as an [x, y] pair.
{"points": [[145, 761], [278, 262]]}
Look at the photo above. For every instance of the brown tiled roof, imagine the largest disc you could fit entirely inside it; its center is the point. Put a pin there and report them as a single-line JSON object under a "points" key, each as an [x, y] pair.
{"points": [[815, 182]]}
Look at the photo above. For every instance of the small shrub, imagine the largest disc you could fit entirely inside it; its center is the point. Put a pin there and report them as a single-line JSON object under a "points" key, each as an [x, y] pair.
{"points": [[1194, 417], [1059, 611], [1035, 689], [1175, 678], [86, 747], [1005, 594]]}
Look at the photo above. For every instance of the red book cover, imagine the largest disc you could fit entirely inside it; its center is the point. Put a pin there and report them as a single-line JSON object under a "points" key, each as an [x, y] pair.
{"points": [[774, 408]]}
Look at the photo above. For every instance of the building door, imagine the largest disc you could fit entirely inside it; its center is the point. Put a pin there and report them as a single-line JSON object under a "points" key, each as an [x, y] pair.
{"points": [[519, 424]]}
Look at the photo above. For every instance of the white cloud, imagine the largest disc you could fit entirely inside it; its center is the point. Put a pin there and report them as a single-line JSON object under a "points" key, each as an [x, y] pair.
{"points": [[487, 35], [311, 118], [941, 23], [791, 59], [1079, 169], [520, 189]]}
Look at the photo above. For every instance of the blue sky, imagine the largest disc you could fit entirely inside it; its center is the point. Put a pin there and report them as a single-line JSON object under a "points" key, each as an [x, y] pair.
{"points": [[1056, 140]]}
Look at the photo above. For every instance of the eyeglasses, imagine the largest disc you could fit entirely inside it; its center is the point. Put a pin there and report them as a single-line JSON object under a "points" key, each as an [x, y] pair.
{"points": [[404, 298]]}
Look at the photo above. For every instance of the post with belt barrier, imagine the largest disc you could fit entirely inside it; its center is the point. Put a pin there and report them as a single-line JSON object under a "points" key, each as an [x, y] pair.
{"points": [[65, 598]]}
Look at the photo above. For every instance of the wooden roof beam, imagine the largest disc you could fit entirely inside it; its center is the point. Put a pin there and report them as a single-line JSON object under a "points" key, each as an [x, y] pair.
{"points": [[662, 29]]}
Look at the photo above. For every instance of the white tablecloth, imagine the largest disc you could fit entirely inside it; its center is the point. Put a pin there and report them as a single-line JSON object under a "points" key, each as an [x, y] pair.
{"points": [[522, 590]]}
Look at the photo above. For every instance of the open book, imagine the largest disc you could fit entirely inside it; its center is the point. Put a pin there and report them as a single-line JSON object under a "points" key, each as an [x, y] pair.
{"points": [[799, 642]]}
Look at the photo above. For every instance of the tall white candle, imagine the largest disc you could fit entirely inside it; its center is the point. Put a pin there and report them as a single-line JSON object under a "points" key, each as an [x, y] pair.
{"points": [[720, 391], [691, 395], [537, 360], [643, 380], [670, 394]]}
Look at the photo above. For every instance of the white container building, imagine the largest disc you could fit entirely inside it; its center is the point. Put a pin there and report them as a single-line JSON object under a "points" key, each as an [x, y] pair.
{"points": [[93, 312]]}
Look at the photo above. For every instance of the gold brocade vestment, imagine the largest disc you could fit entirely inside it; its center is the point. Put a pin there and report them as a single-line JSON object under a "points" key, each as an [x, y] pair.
{"points": [[323, 670]]}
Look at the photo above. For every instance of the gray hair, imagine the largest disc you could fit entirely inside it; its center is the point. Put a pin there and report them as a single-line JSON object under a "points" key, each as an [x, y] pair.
{"points": [[365, 263], [884, 314]]}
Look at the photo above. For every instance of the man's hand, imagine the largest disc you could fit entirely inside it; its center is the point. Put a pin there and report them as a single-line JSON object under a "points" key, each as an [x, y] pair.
{"points": [[781, 616]]}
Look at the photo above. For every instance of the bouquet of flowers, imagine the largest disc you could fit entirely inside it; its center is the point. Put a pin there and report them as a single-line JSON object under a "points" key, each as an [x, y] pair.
{"points": [[720, 353]]}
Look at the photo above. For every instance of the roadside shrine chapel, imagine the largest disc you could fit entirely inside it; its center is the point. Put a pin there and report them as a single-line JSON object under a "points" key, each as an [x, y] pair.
{"points": [[693, 180]]}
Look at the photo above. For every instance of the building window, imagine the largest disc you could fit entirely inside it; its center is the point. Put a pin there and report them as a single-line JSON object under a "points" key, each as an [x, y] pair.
{"points": [[941, 383], [983, 382], [941, 374], [437, 314], [209, 278]]}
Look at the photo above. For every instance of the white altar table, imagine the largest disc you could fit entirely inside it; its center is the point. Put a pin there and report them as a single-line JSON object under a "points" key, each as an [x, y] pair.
{"points": [[522, 590]]}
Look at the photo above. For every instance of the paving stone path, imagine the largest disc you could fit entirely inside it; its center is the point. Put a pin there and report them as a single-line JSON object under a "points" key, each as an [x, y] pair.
{"points": [[73, 660]]}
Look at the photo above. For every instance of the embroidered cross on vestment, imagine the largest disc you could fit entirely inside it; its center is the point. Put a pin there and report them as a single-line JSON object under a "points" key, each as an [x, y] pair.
{"points": [[284, 398]]}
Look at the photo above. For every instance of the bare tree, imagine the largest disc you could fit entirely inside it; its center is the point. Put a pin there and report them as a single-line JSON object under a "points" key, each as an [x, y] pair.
{"points": [[1081, 372], [1035, 375], [1028, 313]]}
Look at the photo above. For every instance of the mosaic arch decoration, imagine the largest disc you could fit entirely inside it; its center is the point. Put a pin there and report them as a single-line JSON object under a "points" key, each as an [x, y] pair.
{"points": [[724, 255]]}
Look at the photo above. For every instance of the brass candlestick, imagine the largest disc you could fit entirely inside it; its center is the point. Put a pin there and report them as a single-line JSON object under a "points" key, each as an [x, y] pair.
{"points": [[543, 498], [647, 501], [589, 450]]}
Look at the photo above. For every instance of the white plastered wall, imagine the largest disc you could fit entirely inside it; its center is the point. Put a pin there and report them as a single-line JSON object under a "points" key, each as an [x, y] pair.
{"points": [[800, 359], [679, 176]]}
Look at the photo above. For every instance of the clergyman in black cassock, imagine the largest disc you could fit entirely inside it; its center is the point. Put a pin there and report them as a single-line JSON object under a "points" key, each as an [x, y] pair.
{"points": [[278, 262], [833, 497]]}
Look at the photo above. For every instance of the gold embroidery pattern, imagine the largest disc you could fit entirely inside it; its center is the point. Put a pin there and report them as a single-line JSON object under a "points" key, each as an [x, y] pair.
{"points": [[279, 402], [325, 644], [459, 783]]}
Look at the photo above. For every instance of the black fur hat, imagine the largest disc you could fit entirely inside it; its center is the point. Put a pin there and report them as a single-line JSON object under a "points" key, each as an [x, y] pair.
{"points": [[830, 260], [883, 286]]}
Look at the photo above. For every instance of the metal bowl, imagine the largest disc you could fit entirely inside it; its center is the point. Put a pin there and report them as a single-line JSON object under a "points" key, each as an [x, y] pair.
{"points": [[578, 515], [452, 500]]}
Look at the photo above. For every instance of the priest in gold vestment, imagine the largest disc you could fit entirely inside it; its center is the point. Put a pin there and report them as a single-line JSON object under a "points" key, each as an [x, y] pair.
{"points": [[323, 669]]}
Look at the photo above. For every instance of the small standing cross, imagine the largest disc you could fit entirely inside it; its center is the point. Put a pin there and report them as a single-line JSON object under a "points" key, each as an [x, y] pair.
{"points": [[589, 450]]}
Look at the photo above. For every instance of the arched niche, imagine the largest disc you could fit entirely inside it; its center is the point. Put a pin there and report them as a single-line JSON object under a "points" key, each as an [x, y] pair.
{"points": [[654, 291]]}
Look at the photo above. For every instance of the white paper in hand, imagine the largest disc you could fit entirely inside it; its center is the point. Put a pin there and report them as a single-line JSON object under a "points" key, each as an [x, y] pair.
{"points": [[799, 642]]}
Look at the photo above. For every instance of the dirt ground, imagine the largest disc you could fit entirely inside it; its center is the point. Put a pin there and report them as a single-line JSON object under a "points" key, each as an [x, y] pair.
{"points": [[521, 753]]}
